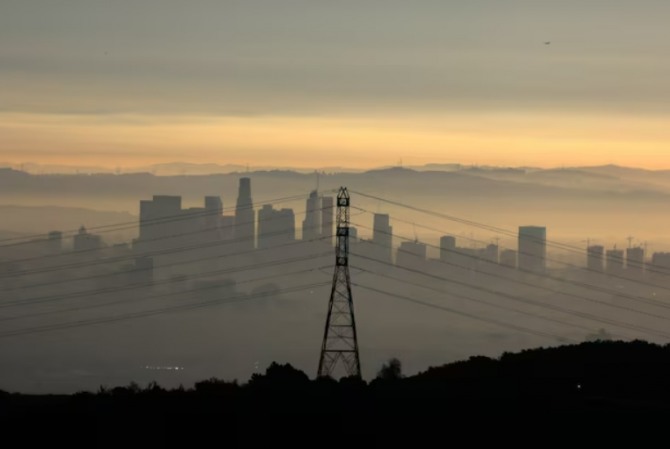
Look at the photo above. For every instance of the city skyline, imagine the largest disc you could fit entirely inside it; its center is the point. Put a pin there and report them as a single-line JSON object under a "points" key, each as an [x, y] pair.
{"points": [[200, 190]]}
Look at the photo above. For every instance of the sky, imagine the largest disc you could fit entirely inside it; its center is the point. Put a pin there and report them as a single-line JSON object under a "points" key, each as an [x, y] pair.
{"points": [[312, 83]]}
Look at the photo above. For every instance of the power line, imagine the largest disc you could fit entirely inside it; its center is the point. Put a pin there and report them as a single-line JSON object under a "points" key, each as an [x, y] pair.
{"points": [[171, 251], [87, 263], [542, 275], [135, 300], [550, 306], [476, 224], [152, 312], [117, 289], [587, 269], [465, 314], [168, 219], [183, 215], [476, 300]]}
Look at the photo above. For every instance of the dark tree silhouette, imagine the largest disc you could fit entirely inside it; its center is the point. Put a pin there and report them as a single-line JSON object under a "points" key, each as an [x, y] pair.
{"points": [[391, 370]]}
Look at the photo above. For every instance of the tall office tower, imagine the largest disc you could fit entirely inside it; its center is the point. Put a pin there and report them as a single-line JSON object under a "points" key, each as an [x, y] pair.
{"points": [[228, 227], [635, 260], [447, 247], [327, 218], [595, 258], [508, 258], [287, 226], [382, 237], [311, 225], [614, 261], [533, 248], [159, 217], [275, 227], [245, 227], [213, 212]]}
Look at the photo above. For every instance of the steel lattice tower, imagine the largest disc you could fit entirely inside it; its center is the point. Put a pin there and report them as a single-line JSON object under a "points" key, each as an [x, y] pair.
{"points": [[340, 343]]}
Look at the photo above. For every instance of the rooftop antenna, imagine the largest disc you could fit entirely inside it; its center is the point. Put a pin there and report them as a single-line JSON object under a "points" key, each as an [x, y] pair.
{"points": [[630, 241], [416, 237], [318, 180]]}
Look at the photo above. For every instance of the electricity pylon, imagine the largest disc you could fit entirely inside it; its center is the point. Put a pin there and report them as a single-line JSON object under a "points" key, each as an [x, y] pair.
{"points": [[340, 343]]}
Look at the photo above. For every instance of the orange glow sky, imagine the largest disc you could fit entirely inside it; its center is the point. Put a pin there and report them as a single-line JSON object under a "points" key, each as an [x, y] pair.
{"points": [[307, 84], [320, 142]]}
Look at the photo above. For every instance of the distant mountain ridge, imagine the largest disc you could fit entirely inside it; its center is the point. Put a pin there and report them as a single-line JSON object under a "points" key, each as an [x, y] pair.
{"points": [[189, 168]]}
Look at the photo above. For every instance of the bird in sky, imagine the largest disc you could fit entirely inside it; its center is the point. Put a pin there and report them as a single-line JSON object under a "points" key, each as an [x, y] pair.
{"points": [[547, 43]]}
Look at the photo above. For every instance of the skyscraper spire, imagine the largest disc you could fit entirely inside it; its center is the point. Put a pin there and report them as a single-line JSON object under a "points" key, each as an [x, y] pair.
{"points": [[245, 217]]}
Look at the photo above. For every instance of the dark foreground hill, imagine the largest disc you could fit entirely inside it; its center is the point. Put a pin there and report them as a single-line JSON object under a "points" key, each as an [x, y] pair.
{"points": [[583, 384]]}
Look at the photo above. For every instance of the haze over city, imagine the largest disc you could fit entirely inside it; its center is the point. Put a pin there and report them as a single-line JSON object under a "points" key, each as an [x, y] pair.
{"points": [[243, 205]]}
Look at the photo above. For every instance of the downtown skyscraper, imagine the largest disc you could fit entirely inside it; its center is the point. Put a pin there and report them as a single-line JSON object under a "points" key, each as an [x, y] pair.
{"points": [[245, 217]]}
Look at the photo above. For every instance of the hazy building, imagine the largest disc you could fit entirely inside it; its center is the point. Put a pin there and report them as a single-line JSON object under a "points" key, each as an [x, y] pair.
{"points": [[275, 227], [227, 227], [533, 248], [490, 253], [382, 237], [411, 254], [245, 218], [327, 218], [508, 258], [213, 212], [595, 258], [164, 224], [615, 261], [83, 241], [447, 248], [635, 260], [159, 217], [353, 234], [311, 225]]}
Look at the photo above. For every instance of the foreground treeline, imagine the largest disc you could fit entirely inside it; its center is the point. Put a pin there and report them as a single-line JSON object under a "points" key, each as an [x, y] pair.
{"points": [[596, 378]]}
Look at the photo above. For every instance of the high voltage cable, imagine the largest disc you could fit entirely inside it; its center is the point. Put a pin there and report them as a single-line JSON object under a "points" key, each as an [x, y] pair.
{"points": [[183, 215], [476, 300], [171, 251], [465, 314], [550, 306], [584, 315], [476, 224], [152, 312], [158, 252], [648, 268], [136, 299], [172, 219], [542, 275], [86, 293], [498, 293]]}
